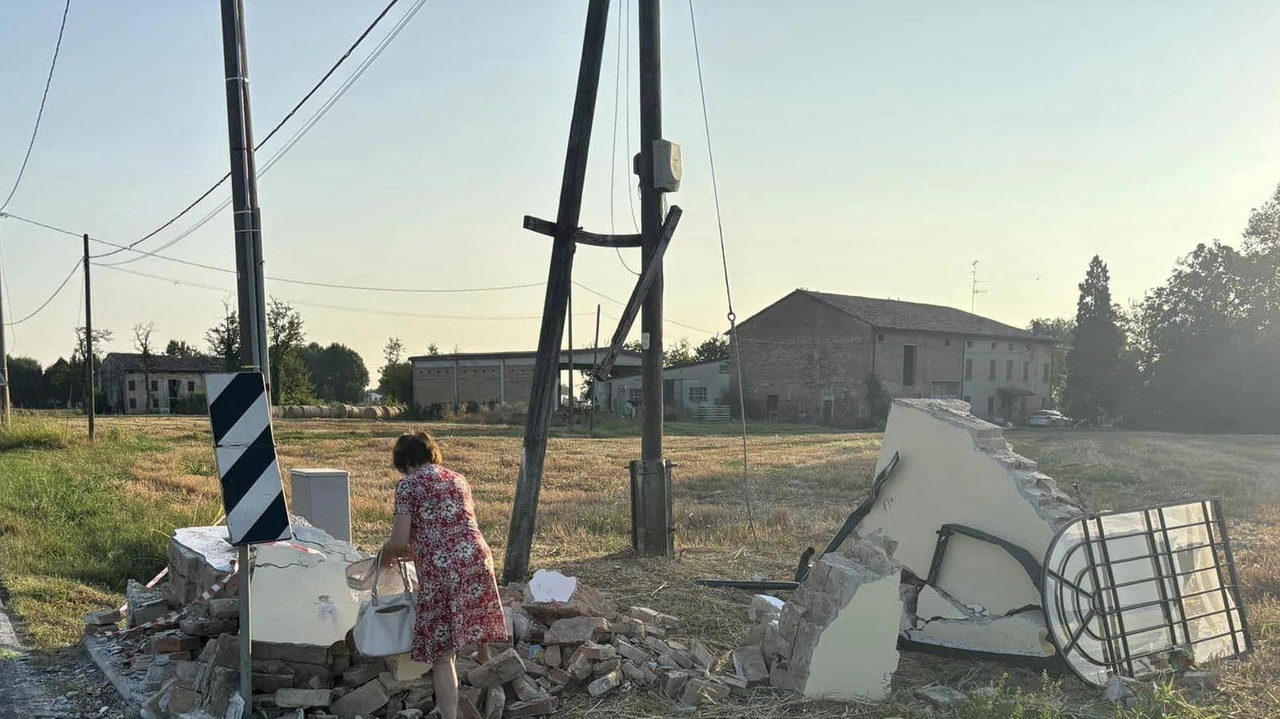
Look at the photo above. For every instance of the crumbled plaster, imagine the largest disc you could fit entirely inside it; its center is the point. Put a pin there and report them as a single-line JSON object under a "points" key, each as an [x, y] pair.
{"points": [[931, 604], [1020, 634]]}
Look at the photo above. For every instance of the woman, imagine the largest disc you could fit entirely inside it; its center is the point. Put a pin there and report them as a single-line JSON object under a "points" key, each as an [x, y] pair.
{"points": [[457, 599]]}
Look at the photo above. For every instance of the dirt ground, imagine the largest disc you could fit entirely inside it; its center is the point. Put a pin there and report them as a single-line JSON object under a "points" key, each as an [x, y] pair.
{"points": [[799, 487]]}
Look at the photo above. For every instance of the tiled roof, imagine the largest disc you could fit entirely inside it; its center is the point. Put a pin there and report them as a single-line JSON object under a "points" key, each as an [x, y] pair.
{"points": [[915, 316], [132, 362]]}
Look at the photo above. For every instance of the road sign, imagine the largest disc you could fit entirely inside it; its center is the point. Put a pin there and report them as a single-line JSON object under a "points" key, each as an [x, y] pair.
{"points": [[252, 493]]}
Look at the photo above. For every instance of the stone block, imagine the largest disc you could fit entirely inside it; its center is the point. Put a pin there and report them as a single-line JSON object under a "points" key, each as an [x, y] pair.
{"points": [[224, 608], [630, 651], [942, 697], [495, 701], [179, 700], [198, 626], [467, 708], [172, 643], [361, 674], [499, 670], [537, 707], [748, 662], [673, 684], [302, 698], [144, 605], [363, 701], [161, 670], [605, 666], [634, 628], [420, 698], [698, 691], [597, 652], [605, 684], [765, 608], [104, 617], [559, 677], [644, 614], [186, 671], [579, 666], [551, 656], [223, 684], [576, 630], [702, 656], [526, 690]]}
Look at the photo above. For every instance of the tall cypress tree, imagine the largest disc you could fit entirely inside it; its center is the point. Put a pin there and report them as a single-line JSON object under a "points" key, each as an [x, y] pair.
{"points": [[1094, 377]]}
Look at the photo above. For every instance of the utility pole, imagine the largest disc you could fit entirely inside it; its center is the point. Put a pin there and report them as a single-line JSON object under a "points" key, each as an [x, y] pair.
{"points": [[595, 386], [4, 365], [651, 481], [573, 404], [249, 272], [973, 289], [559, 281], [88, 340]]}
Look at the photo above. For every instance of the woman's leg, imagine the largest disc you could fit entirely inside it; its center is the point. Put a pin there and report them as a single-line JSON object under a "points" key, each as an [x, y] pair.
{"points": [[445, 676]]}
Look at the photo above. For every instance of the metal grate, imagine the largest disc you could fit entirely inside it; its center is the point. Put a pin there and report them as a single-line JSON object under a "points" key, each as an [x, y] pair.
{"points": [[1125, 591]]}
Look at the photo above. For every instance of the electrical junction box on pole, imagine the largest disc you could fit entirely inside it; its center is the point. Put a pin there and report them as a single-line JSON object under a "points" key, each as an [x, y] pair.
{"points": [[667, 166]]}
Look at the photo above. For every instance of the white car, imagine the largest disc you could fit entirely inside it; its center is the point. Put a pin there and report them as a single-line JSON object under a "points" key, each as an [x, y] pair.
{"points": [[1048, 418]]}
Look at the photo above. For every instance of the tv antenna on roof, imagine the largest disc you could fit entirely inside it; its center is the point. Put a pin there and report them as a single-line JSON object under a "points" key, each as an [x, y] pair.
{"points": [[973, 290]]}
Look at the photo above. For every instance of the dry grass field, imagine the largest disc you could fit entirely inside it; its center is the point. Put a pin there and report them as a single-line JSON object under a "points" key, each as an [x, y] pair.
{"points": [[109, 508]]}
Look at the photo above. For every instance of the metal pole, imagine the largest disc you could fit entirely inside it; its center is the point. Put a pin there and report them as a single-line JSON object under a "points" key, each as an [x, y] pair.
{"points": [[595, 383], [651, 496], [88, 340], [546, 369], [251, 290]]}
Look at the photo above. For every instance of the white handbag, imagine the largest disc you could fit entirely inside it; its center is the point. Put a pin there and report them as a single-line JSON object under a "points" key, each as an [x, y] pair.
{"points": [[384, 625]]}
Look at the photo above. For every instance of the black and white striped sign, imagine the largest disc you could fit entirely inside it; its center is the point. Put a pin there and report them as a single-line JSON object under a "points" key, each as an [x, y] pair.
{"points": [[252, 493]]}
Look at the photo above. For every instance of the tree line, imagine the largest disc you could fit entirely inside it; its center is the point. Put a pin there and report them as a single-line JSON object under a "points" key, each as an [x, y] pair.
{"points": [[1198, 353]]}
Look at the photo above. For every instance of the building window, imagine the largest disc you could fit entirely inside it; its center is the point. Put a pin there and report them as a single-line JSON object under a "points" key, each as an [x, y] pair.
{"points": [[993, 345], [991, 407], [634, 395], [991, 371], [1010, 346], [1026, 371], [1022, 406], [908, 365], [1046, 372], [968, 370], [132, 385], [1008, 371], [880, 337], [698, 395], [133, 402], [155, 402], [155, 384], [946, 342], [968, 343], [191, 385]]}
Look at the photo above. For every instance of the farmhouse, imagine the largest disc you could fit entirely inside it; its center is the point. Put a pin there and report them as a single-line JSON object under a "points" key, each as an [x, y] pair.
{"points": [[808, 358], [157, 384], [686, 388], [494, 377]]}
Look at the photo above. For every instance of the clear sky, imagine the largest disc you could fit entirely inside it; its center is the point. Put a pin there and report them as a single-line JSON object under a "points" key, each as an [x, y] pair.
{"points": [[872, 148]]}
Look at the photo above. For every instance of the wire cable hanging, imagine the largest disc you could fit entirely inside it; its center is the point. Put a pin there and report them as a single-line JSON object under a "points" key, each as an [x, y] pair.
{"points": [[56, 292], [728, 292], [270, 134], [613, 154], [39, 114]]}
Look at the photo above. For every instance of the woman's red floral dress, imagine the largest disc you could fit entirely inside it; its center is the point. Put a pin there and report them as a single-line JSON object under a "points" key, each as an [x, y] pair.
{"points": [[457, 601]]}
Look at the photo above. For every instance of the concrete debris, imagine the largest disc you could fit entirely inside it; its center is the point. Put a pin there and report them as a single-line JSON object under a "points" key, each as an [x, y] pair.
{"points": [[551, 586], [932, 604], [941, 696], [1119, 690]]}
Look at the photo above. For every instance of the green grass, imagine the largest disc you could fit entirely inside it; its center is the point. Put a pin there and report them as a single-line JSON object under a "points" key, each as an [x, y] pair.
{"points": [[34, 432], [71, 533]]}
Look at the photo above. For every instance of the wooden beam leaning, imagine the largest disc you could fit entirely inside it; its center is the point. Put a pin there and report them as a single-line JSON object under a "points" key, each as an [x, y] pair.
{"points": [[542, 396], [581, 236], [638, 294]]}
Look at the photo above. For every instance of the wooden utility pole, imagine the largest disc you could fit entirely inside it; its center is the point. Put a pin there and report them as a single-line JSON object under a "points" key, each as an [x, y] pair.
{"points": [[4, 365], [651, 481], [573, 398], [250, 287], [88, 340], [559, 282], [595, 387]]}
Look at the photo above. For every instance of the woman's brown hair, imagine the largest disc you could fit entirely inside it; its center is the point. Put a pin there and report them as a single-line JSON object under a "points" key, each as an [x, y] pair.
{"points": [[415, 449]]}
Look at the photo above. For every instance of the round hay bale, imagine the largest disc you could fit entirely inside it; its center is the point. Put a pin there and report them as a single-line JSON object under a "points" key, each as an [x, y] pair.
{"points": [[312, 411], [393, 412], [291, 412], [277, 412], [384, 412], [369, 412], [351, 411]]}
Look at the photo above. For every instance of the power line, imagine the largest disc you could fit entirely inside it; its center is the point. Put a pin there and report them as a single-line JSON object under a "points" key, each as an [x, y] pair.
{"points": [[40, 114], [613, 154], [271, 134], [56, 292], [306, 127], [617, 301]]}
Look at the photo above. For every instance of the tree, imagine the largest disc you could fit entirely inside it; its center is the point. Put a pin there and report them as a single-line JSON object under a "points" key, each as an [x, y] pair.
{"points": [[1062, 331], [433, 350], [715, 347], [26, 381], [290, 383], [337, 372], [224, 339], [142, 343], [678, 352], [393, 351], [1093, 382], [180, 348]]}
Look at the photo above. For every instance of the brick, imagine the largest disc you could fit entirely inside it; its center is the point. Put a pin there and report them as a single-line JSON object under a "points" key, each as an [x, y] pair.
{"points": [[206, 626], [596, 652], [300, 653], [550, 612], [697, 691], [499, 670], [629, 627], [733, 681], [702, 656], [179, 700], [630, 651], [559, 677], [363, 701], [395, 686], [673, 684], [186, 671], [656, 645], [605, 684], [172, 643], [604, 667], [495, 701], [551, 657], [644, 614], [534, 669], [638, 674], [526, 690], [104, 617], [781, 676], [225, 608], [302, 698], [467, 708], [361, 674], [538, 707], [421, 698], [579, 666], [160, 671], [748, 662], [576, 630]]}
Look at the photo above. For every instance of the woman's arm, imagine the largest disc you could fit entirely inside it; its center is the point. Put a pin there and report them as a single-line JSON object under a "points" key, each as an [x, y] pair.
{"points": [[398, 545]]}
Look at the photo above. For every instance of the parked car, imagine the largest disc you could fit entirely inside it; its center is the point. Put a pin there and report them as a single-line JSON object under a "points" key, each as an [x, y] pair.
{"points": [[1048, 418]]}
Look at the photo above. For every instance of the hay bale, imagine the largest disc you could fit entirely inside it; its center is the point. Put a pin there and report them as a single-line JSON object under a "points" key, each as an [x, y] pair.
{"points": [[351, 411], [382, 412], [312, 411], [292, 412], [277, 412], [369, 412]]}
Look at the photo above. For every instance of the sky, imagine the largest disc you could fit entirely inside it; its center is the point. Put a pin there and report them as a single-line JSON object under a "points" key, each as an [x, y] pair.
{"points": [[870, 148]]}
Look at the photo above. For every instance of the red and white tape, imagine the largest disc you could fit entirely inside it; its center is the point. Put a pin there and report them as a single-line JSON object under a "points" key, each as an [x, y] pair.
{"points": [[171, 617]]}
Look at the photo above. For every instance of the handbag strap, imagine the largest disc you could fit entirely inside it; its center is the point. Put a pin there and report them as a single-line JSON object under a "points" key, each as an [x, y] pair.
{"points": [[377, 569]]}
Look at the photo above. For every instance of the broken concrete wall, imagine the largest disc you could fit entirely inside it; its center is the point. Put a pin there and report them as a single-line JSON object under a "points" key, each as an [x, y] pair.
{"points": [[832, 638], [958, 469]]}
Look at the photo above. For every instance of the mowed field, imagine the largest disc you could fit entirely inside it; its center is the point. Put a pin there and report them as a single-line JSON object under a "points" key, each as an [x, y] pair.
{"points": [[77, 520]]}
